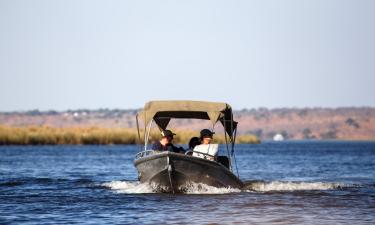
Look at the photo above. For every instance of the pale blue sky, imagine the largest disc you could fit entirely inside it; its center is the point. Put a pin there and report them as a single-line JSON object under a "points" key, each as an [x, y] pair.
{"points": [[119, 54]]}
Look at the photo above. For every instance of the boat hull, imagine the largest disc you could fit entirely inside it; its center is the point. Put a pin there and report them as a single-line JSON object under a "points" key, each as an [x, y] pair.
{"points": [[174, 172]]}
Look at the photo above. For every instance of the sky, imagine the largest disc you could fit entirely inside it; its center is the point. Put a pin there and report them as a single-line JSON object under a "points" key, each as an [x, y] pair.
{"points": [[59, 55]]}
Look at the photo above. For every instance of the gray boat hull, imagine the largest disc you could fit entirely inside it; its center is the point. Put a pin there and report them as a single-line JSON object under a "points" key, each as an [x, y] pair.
{"points": [[174, 172]]}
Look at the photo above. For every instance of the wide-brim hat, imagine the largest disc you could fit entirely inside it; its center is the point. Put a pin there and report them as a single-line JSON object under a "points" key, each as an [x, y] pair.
{"points": [[166, 133]]}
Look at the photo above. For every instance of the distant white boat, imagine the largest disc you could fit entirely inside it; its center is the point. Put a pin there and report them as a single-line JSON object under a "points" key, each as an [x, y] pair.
{"points": [[278, 137]]}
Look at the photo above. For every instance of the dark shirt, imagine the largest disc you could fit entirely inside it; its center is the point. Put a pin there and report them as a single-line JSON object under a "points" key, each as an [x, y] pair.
{"points": [[169, 147]]}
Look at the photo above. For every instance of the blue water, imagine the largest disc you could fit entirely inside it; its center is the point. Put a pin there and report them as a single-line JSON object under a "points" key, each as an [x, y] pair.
{"points": [[288, 183]]}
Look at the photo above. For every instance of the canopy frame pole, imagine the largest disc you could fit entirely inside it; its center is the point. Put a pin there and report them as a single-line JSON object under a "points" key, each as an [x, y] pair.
{"points": [[147, 133], [226, 144], [234, 134], [234, 155], [139, 134]]}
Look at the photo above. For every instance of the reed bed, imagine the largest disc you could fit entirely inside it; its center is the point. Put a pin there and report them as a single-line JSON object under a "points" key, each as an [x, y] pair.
{"points": [[46, 135]]}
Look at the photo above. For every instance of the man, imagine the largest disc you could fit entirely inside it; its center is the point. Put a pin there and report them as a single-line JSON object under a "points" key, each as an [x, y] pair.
{"points": [[206, 150], [206, 136], [165, 143]]}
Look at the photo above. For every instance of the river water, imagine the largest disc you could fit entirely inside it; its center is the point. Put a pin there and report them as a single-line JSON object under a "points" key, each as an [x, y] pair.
{"points": [[287, 183]]}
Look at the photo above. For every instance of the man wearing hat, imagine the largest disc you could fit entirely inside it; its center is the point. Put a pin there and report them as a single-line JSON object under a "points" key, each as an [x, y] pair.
{"points": [[206, 150], [165, 143], [206, 136]]}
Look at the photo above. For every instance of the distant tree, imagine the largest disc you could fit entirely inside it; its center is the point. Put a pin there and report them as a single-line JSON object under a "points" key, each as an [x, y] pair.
{"points": [[270, 134], [306, 133], [34, 112], [52, 113], [285, 134], [302, 112], [331, 134], [262, 113], [352, 122], [282, 113], [256, 132], [263, 109], [259, 133]]}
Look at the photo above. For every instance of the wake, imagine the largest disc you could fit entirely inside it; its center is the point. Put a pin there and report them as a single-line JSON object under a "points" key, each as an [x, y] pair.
{"points": [[135, 187], [289, 186], [129, 187]]}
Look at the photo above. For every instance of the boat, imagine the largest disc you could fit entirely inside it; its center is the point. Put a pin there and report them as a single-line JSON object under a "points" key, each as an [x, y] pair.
{"points": [[278, 137], [175, 172]]}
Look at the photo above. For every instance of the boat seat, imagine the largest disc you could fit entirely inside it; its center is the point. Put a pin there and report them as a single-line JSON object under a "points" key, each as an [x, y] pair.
{"points": [[223, 160], [206, 151]]}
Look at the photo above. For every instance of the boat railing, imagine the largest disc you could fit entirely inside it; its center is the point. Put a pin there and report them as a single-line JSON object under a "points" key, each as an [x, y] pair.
{"points": [[144, 153], [190, 152], [151, 152], [220, 159]]}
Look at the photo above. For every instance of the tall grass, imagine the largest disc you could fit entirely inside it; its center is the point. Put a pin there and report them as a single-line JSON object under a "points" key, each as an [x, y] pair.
{"points": [[93, 135]]}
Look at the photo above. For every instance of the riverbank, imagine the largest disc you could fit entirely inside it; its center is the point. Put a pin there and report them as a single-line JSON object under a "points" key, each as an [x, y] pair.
{"points": [[343, 123], [45, 135]]}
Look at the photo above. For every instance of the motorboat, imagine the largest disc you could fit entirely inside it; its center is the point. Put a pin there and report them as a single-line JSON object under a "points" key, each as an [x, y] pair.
{"points": [[175, 172]]}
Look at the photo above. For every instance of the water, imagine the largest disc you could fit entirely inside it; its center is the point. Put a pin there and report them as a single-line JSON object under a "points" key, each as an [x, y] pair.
{"points": [[287, 183]]}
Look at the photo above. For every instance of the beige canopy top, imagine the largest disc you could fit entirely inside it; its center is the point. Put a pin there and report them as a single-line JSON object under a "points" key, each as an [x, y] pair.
{"points": [[162, 111]]}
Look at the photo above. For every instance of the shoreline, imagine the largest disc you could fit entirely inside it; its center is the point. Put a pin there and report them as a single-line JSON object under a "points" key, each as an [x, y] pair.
{"points": [[45, 135]]}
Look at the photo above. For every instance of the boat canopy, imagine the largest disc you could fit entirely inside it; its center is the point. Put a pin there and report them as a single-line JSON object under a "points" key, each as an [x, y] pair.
{"points": [[162, 112]]}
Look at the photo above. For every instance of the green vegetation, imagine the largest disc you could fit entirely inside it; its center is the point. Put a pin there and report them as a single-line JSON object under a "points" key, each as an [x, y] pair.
{"points": [[45, 135]]}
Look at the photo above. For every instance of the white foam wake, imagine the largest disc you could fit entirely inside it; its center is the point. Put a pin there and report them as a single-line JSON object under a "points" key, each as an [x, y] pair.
{"points": [[135, 187], [262, 186], [129, 187], [195, 188]]}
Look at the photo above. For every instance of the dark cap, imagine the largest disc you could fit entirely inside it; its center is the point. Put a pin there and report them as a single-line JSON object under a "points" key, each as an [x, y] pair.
{"points": [[206, 132], [166, 133]]}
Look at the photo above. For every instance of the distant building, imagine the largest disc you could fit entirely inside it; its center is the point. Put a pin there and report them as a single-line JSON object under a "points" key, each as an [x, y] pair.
{"points": [[278, 137]]}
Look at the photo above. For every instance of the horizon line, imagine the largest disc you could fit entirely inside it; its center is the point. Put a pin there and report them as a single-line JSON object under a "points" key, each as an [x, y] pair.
{"points": [[136, 109]]}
